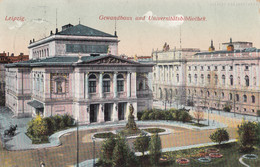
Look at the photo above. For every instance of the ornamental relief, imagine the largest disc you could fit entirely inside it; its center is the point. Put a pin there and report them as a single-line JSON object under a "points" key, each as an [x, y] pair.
{"points": [[59, 82], [109, 60]]}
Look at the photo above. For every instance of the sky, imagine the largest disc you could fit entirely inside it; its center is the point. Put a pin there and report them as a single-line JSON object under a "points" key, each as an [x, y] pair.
{"points": [[239, 19]]}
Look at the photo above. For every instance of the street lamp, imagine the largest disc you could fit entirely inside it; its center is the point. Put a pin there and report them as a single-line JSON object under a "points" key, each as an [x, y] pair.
{"points": [[94, 151]]}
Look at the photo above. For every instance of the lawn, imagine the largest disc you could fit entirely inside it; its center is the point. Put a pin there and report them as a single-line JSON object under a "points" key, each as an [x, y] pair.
{"points": [[154, 130], [104, 135], [198, 124], [230, 157]]}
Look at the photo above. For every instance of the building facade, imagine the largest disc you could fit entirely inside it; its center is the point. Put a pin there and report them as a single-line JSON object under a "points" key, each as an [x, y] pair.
{"points": [[214, 79], [77, 71]]}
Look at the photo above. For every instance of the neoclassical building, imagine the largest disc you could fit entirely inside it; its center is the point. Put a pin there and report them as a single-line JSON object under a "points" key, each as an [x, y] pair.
{"points": [[215, 79], [78, 71]]}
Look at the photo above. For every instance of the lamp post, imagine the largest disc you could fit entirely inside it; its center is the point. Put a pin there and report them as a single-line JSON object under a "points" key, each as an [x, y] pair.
{"points": [[94, 150]]}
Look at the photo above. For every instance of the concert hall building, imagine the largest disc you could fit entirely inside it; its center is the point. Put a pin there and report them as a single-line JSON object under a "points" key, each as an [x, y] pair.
{"points": [[78, 71]]}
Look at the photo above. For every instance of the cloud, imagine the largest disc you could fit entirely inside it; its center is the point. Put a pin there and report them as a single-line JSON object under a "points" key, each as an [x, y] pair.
{"points": [[151, 19]]}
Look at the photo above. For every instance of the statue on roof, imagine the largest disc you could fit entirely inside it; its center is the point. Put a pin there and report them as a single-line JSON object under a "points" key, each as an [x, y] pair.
{"points": [[166, 47]]}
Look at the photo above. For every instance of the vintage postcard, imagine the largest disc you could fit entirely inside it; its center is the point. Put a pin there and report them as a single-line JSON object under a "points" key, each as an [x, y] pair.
{"points": [[129, 83]]}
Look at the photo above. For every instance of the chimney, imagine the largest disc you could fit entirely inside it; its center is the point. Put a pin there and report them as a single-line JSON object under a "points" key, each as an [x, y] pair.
{"points": [[30, 41], [51, 33], [33, 40]]}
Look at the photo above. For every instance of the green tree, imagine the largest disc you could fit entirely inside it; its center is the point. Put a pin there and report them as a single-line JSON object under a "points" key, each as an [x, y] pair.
{"points": [[39, 127], [107, 149], [141, 143], [248, 136], [185, 117], [122, 155], [219, 136], [155, 147]]}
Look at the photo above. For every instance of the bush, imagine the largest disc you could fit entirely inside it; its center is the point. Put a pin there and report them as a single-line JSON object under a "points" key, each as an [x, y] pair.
{"points": [[227, 109], [50, 124], [139, 115], [155, 147], [141, 143], [185, 117], [107, 152], [248, 135], [219, 136]]}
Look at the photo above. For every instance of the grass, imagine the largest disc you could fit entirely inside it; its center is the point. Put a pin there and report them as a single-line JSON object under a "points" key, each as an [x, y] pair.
{"points": [[154, 130], [230, 151], [104, 135]]}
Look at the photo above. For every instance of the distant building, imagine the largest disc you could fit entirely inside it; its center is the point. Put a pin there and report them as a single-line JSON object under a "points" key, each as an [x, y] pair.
{"points": [[214, 79], [5, 59], [78, 71]]}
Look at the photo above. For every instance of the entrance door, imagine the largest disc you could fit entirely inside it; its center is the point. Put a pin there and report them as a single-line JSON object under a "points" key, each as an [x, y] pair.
{"points": [[108, 111], [121, 111], [93, 112]]}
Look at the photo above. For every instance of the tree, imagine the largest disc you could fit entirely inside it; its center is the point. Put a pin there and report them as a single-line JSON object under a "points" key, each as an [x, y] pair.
{"points": [[185, 117], [107, 152], [155, 147], [219, 136], [39, 127], [248, 136], [122, 155], [142, 143], [198, 115]]}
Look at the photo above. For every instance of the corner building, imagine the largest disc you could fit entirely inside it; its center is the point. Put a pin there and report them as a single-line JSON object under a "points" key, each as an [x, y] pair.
{"points": [[213, 79], [77, 71]]}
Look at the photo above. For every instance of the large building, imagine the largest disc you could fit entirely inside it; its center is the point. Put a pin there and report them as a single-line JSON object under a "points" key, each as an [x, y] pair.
{"points": [[5, 59], [214, 79], [78, 71]]}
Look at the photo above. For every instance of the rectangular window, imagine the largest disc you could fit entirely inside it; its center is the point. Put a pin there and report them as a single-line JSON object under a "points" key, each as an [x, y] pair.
{"points": [[106, 86], [92, 87], [223, 67], [246, 68], [120, 86], [231, 68]]}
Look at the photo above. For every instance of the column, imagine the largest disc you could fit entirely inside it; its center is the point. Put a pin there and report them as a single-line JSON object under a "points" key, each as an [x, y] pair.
{"points": [[115, 84], [86, 86], [128, 84], [115, 112], [133, 84], [101, 114], [101, 85]]}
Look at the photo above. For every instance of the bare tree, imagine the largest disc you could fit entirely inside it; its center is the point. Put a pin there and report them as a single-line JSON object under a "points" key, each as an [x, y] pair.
{"points": [[198, 114]]}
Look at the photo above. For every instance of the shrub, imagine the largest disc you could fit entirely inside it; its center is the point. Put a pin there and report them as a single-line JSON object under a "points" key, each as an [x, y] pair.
{"points": [[151, 116], [185, 117], [50, 124], [219, 136], [248, 136], [145, 115], [67, 120], [57, 122], [141, 143], [139, 115], [155, 147], [107, 149], [227, 109]]}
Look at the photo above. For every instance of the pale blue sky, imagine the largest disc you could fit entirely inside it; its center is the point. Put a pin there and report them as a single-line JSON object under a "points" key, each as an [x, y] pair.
{"points": [[239, 19]]}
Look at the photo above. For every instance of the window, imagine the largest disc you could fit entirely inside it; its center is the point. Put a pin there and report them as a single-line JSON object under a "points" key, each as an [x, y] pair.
{"points": [[247, 80], [189, 68], [92, 83], [177, 77], [216, 79], [223, 79], [201, 92], [230, 96], [246, 68], [215, 93], [231, 68], [160, 93], [189, 78], [222, 95], [106, 83], [208, 78], [196, 78], [237, 97], [58, 86], [245, 98], [231, 79], [202, 78], [223, 67], [141, 86], [208, 68], [195, 68], [120, 83], [253, 99], [208, 93], [201, 68], [216, 68], [189, 91]]}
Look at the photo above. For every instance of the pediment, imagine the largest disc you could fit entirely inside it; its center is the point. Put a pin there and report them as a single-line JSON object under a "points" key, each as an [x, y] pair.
{"points": [[110, 60]]}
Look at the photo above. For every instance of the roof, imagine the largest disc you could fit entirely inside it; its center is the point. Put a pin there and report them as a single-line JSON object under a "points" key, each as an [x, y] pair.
{"points": [[81, 30], [237, 42], [36, 104], [225, 51]]}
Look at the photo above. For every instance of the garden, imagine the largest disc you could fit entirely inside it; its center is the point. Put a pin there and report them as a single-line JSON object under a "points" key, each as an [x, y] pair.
{"points": [[39, 129]]}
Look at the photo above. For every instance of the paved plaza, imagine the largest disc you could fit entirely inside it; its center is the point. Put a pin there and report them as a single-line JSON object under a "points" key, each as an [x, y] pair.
{"points": [[62, 152]]}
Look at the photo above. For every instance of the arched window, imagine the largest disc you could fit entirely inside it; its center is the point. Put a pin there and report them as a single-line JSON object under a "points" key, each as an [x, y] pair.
{"points": [[222, 95], [120, 83], [216, 79], [189, 78], [92, 82], [237, 97], [160, 93], [230, 96], [141, 85], [247, 80], [208, 78], [177, 77], [215, 93], [189, 91], [231, 79], [208, 93], [106, 83], [202, 79], [171, 94], [223, 79], [253, 98], [176, 91], [195, 92], [245, 98], [196, 78], [166, 94], [201, 92]]}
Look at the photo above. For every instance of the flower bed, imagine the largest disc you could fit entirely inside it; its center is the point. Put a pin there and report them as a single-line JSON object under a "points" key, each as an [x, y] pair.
{"points": [[183, 161], [212, 150], [215, 155]]}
